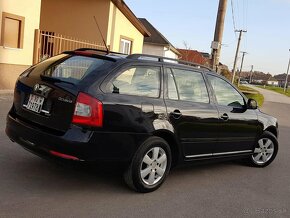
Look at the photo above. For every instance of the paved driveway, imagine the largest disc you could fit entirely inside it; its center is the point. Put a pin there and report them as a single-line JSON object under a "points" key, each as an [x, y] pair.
{"points": [[271, 96]]}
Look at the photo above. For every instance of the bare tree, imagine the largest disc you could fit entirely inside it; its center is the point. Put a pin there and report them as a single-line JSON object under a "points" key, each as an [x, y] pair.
{"points": [[187, 49]]}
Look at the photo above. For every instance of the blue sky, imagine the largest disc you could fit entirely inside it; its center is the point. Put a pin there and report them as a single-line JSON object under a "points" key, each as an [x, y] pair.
{"points": [[267, 22]]}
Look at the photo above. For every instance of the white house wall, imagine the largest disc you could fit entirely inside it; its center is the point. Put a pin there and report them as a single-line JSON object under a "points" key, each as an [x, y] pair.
{"points": [[153, 49], [158, 50], [273, 83], [169, 54]]}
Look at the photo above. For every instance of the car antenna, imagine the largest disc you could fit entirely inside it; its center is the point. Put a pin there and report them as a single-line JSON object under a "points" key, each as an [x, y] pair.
{"points": [[108, 51]]}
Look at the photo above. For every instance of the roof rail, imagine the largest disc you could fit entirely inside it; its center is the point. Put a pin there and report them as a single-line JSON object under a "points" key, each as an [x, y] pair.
{"points": [[106, 57], [165, 59], [98, 50], [90, 49]]}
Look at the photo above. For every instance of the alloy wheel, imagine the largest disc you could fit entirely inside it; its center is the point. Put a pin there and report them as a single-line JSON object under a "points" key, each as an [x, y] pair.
{"points": [[153, 166], [263, 151]]}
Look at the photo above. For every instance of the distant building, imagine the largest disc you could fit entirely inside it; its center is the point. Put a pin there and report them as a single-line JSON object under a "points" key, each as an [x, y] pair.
{"points": [[272, 81], [156, 43], [260, 78], [281, 78]]}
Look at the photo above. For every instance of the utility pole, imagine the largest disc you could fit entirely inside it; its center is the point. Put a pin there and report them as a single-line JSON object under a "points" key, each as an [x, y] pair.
{"points": [[251, 74], [286, 80], [241, 67], [218, 35], [237, 52]]}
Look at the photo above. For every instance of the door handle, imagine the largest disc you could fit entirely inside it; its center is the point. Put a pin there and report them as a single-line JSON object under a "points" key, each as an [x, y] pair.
{"points": [[225, 117], [176, 114]]}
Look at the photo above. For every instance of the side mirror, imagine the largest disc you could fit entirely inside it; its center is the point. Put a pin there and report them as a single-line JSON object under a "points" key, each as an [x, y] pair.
{"points": [[252, 104]]}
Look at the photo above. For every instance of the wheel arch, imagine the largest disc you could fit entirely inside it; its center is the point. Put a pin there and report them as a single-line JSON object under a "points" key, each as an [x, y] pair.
{"points": [[273, 130], [173, 144]]}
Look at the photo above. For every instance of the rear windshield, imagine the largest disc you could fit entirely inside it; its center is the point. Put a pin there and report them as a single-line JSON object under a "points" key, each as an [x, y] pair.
{"points": [[69, 68]]}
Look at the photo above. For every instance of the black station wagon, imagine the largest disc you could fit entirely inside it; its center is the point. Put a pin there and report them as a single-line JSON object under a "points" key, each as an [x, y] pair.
{"points": [[148, 112]]}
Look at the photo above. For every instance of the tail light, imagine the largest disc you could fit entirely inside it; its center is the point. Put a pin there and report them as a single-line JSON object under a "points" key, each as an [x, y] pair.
{"points": [[88, 111]]}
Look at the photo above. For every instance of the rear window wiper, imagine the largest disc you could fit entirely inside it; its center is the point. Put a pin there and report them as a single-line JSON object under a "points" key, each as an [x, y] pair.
{"points": [[54, 79]]}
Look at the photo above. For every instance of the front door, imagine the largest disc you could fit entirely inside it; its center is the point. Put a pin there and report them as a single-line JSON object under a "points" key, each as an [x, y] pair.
{"points": [[193, 116], [238, 125]]}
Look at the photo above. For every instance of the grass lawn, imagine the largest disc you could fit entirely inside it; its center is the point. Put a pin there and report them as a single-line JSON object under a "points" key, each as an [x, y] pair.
{"points": [[252, 93], [277, 89], [258, 97]]}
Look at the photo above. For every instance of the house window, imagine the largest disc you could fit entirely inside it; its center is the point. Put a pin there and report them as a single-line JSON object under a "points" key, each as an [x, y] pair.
{"points": [[125, 46], [12, 30]]}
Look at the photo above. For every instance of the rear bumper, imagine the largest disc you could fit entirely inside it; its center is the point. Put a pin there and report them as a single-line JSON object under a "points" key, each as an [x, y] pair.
{"points": [[77, 143]]}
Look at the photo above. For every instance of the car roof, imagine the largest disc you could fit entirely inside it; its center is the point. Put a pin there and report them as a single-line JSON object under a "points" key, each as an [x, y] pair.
{"points": [[115, 56]]}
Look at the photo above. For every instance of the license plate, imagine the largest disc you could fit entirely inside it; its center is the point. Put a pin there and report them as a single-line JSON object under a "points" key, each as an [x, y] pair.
{"points": [[35, 103]]}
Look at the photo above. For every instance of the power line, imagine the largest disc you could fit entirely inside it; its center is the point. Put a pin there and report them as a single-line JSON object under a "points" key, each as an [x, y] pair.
{"points": [[245, 22], [243, 14], [233, 17], [245, 11], [238, 20], [239, 14]]}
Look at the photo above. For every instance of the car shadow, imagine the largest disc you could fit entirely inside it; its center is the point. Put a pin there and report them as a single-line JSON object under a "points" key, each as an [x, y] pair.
{"points": [[55, 176], [38, 174]]}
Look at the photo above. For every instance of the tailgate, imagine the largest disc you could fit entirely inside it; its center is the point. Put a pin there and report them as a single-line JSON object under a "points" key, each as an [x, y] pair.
{"points": [[46, 93], [44, 104]]}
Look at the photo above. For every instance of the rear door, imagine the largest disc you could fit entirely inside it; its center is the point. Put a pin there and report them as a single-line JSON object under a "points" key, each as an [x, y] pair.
{"points": [[238, 125], [133, 102], [191, 112]]}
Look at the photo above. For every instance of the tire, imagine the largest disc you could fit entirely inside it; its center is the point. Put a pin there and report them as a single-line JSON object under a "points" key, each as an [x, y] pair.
{"points": [[265, 150], [150, 166]]}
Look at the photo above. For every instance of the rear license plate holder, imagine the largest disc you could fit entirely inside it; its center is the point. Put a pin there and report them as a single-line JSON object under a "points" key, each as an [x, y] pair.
{"points": [[34, 103]]}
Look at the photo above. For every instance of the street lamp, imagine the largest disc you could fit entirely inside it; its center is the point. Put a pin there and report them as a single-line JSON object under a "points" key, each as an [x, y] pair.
{"points": [[286, 80]]}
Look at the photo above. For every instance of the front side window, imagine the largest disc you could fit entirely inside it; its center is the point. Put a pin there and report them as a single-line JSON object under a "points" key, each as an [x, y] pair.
{"points": [[225, 94], [190, 86], [140, 80]]}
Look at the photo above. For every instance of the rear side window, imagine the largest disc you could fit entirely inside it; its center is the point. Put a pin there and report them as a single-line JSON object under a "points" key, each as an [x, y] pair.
{"points": [[69, 68], [187, 85], [139, 80]]}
